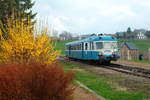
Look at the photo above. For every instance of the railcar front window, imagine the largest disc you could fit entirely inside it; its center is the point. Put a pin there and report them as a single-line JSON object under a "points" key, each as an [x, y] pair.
{"points": [[110, 45], [99, 45]]}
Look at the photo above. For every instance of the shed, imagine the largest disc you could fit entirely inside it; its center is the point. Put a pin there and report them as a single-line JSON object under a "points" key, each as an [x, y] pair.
{"points": [[129, 51]]}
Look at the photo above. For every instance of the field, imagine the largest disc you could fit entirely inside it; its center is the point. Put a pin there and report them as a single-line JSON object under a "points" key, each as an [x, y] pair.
{"points": [[60, 45], [142, 45]]}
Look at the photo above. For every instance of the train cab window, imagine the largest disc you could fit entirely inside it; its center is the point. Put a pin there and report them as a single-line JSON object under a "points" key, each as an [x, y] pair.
{"points": [[99, 45]]}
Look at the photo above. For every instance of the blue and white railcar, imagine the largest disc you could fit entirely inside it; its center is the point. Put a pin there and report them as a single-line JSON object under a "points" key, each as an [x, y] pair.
{"points": [[98, 48]]}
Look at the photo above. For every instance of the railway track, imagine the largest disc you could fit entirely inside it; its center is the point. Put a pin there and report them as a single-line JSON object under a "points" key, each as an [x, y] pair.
{"points": [[136, 71]]}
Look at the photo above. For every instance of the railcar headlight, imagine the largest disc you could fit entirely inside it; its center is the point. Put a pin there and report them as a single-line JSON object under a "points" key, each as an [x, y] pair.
{"points": [[114, 53], [100, 53]]}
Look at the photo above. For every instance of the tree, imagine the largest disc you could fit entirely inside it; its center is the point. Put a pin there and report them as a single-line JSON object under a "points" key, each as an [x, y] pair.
{"points": [[16, 9], [66, 35], [129, 34], [129, 30], [55, 34], [147, 34]]}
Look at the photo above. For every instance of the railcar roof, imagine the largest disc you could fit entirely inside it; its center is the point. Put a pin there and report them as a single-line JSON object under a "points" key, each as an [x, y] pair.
{"points": [[93, 38]]}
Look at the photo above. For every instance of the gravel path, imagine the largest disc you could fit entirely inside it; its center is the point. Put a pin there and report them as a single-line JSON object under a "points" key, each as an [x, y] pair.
{"points": [[127, 63]]}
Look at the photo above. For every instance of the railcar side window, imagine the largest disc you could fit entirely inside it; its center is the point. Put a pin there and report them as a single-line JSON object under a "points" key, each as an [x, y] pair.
{"points": [[80, 47], [99, 45], [86, 46], [91, 46], [66, 47]]}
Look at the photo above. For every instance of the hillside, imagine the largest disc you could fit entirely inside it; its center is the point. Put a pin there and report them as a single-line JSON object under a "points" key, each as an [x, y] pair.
{"points": [[142, 45], [60, 45]]}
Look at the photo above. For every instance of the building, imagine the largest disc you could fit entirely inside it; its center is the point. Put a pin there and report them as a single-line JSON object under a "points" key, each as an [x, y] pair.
{"points": [[120, 35], [113, 35], [129, 51], [137, 34], [81, 37], [140, 34]]}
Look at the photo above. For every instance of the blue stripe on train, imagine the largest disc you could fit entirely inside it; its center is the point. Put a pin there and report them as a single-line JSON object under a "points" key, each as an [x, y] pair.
{"points": [[84, 55]]}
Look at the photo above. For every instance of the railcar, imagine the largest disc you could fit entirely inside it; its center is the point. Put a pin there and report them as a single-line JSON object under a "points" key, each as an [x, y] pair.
{"points": [[97, 48]]}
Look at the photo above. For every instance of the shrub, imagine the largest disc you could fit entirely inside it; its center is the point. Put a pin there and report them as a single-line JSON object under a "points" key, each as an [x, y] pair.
{"points": [[24, 44], [34, 82]]}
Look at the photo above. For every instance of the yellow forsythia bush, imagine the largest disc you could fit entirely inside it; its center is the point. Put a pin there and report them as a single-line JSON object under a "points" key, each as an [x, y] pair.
{"points": [[23, 45]]}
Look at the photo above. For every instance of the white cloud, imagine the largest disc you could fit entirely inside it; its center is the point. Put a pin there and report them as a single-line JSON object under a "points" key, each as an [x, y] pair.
{"points": [[89, 16], [57, 23], [117, 10], [146, 4]]}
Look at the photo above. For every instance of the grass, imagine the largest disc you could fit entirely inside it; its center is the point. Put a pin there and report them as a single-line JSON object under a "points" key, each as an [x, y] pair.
{"points": [[101, 87], [60, 45], [143, 45]]}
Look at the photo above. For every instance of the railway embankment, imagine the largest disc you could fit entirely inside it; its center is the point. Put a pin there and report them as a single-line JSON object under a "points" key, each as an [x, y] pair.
{"points": [[108, 83], [145, 65]]}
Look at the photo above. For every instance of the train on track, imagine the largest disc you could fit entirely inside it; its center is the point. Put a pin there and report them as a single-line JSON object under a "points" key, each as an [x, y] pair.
{"points": [[96, 48]]}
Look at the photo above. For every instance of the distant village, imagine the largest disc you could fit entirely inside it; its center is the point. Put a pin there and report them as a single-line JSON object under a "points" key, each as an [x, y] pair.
{"points": [[137, 34], [128, 51]]}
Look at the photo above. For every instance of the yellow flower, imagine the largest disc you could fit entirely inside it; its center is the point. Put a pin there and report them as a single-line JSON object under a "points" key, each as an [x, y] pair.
{"points": [[24, 46]]}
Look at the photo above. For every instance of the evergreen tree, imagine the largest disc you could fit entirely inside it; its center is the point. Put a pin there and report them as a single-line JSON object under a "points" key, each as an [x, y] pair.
{"points": [[17, 8], [129, 30], [21, 9], [129, 34]]}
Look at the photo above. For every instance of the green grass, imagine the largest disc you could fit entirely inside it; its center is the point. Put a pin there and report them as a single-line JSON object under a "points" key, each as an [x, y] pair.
{"points": [[60, 45], [101, 87], [142, 45]]}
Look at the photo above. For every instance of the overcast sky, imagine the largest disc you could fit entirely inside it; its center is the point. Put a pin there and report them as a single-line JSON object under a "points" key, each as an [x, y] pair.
{"points": [[94, 16]]}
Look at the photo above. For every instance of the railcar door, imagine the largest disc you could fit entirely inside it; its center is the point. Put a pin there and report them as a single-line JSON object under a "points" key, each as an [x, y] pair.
{"points": [[69, 50], [91, 50], [82, 48], [86, 51]]}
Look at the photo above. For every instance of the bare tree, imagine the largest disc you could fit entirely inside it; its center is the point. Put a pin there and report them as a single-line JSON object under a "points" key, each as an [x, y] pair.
{"points": [[66, 35]]}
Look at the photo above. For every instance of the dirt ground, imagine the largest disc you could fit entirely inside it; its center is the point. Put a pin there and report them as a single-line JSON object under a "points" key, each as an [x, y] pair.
{"points": [[81, 94], [142, 65]]}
